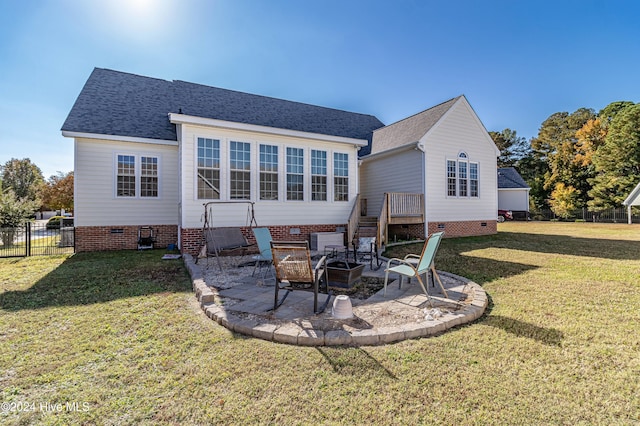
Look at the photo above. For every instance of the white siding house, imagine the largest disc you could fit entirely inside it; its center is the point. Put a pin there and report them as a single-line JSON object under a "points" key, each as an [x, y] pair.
{"points": [[151, 152], [445, 154], [513, 192]]}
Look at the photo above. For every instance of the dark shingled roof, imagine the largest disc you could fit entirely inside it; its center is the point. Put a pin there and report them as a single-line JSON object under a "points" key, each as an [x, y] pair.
{"points": [[409, 130], [509, 178], [122, 104]]}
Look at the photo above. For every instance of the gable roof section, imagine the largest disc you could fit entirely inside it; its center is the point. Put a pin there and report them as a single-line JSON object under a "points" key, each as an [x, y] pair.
{"points": [[409, 130], [509, 178], [123, 104], [634, 197]]}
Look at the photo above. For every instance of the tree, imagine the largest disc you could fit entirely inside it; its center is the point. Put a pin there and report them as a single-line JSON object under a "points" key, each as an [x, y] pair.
{"points": [[57, 192], [512, 147], [556, 145], [617, 161], [563, 200], [23, 177], [14, 212]]}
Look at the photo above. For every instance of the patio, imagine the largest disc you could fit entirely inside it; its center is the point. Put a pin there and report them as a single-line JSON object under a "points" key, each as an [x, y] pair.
{"points": [[241, 302]]}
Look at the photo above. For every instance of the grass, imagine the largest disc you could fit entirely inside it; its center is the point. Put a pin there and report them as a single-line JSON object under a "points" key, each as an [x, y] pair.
{"points": [[120, 333]]}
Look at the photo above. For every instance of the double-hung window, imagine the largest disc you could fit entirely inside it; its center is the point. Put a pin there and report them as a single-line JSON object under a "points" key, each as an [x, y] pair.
{"points": [[208, 169], [137, 176], [473, 179], [268, 172], [340, 176], [318, 175], [240, 167], [295, 174], [462, 177], [451, 178], [148, 176], [126, 180]]}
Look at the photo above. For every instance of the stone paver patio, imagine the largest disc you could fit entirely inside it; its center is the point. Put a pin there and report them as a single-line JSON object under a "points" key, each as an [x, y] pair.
{"points": [[241, 303]]}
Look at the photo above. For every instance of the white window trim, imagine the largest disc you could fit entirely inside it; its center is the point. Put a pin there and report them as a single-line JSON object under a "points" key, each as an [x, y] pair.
{"points": [[349, 176], [457, 160], [225, 169], [252, 164], [138, 174]]}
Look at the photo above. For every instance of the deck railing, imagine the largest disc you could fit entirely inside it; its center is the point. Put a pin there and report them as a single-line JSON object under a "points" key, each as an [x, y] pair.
{"points": [[354, 220], [403, 204], [383, 219]]}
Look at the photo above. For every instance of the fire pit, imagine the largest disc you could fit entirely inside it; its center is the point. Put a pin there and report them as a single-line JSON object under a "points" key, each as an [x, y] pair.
{"points": [[343, 274]]}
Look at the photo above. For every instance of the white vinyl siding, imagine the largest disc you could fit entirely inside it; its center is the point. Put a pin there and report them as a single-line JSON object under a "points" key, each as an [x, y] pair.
{"points": [[96, 202], [268, 155], [460, 131], [400, 172]]}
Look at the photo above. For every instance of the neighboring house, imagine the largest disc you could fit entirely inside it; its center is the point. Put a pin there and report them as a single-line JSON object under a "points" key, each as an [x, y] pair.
{"points": [[435, 170], [513, 192], [632, 200], [151, 152]]}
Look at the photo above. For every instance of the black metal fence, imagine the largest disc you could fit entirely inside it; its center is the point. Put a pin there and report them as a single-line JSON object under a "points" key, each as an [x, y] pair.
{"points": [[618, 215], [35, 239]]}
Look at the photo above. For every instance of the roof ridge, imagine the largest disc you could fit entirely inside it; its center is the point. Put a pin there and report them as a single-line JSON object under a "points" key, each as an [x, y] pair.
{"points": [[274, 98]]}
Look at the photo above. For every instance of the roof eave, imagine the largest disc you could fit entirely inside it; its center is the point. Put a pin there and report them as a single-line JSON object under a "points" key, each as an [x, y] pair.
{"points": [[119, 138], [406, 147]]}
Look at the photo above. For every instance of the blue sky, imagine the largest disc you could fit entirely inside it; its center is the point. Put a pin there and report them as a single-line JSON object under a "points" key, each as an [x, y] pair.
{"points": [[517, 62]]}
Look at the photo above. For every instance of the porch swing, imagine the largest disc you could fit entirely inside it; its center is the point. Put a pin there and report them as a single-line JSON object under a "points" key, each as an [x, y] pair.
{"points": [[216, 241]]}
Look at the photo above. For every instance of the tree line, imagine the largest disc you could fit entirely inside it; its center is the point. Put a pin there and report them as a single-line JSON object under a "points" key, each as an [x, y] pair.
{"points": [[578, 160], [23, 191]]}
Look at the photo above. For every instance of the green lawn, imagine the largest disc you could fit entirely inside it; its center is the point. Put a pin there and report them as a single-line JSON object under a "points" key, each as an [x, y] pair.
{"points": [[121, 335]]}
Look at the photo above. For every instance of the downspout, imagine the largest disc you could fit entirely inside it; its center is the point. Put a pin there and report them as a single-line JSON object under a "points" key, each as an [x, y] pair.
{"points": [[423, 183]]}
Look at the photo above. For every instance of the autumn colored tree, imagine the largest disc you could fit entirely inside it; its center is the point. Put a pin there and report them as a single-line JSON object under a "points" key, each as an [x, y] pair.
{"points": [[57, 192], [556, 145], [563, 200]]}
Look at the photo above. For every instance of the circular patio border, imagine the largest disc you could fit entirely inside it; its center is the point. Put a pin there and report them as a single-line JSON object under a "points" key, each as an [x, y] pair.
{"points": [[293, 334]]}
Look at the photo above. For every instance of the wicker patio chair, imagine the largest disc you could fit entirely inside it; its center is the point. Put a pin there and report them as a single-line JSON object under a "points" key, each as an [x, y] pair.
{"points": [[294, 271]]}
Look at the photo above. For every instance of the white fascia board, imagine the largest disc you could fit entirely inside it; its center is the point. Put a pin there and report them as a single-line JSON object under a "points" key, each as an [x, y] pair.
{"points": [[211, 122], [118, 138], [513, 189]]}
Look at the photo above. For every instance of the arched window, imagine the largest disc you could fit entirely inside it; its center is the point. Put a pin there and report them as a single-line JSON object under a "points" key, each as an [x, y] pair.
{"points": [[462, 177]]}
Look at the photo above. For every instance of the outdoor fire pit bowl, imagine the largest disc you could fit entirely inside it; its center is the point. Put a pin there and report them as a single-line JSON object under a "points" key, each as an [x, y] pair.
{"points": [[343, 274]]}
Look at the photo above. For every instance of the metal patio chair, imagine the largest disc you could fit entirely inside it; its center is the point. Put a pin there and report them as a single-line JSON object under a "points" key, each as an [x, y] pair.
{"points": [[414, 266]]}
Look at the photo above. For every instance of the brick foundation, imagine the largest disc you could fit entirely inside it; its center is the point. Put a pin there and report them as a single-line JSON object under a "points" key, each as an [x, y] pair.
{"points": [[191, 238], [464, 229], [98, 238]]}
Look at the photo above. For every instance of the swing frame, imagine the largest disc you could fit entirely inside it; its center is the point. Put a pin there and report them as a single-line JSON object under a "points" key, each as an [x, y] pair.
{"points": [[218, 239]]}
